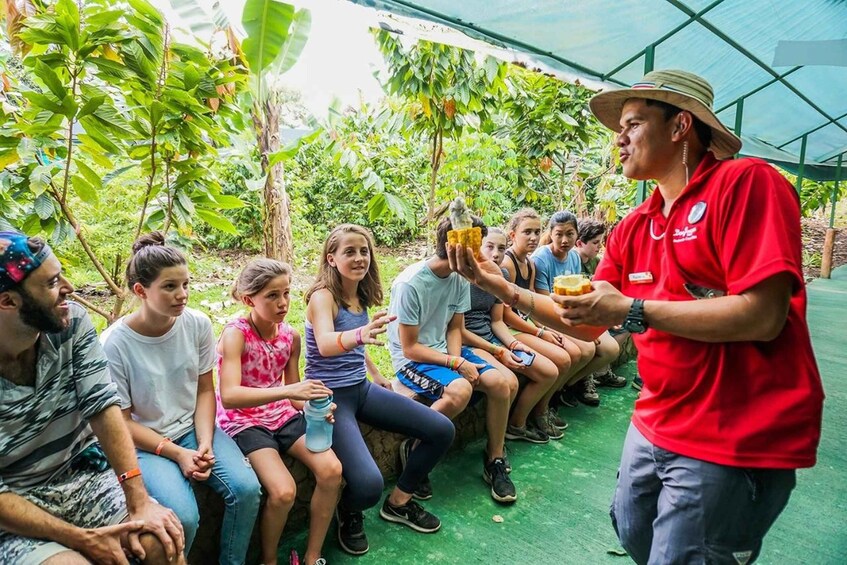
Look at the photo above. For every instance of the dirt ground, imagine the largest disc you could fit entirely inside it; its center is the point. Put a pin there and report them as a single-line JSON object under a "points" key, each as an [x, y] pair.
{"points": [[814, 232]]}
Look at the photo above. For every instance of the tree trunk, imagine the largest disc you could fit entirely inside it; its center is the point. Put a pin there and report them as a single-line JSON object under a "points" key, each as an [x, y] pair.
{"points": [[437, 144], [276, 230]]}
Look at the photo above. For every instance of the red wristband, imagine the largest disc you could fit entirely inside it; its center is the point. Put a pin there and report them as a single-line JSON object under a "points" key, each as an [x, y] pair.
{"points": [[129, 474], [161, 445]]}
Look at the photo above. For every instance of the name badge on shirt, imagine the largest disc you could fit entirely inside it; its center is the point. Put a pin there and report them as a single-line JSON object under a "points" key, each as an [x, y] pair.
{"points": [[645, 277]]}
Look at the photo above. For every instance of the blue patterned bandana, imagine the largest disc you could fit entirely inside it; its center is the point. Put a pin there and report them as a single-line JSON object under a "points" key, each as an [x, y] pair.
{"points": [[17, 260]]}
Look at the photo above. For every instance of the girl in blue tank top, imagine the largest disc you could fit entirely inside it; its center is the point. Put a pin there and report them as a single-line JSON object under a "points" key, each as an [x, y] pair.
{"points": [[337, 329]]}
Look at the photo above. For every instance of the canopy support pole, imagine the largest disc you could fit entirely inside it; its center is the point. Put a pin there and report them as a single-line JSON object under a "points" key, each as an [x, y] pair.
{"points": [[835, 191], [649, 58], [739, 116], [829, 240], [802, 164]]}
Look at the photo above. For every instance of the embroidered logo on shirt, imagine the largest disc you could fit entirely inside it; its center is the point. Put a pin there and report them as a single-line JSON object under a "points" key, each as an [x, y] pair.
{"points": [[688, 233]]}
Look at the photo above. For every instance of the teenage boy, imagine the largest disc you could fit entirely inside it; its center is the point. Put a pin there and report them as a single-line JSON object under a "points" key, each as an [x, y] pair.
{"points": [[425, 343]]}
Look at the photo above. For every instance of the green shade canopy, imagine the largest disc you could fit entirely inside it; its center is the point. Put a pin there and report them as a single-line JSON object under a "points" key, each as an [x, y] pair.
{"points": [[778, 67]]}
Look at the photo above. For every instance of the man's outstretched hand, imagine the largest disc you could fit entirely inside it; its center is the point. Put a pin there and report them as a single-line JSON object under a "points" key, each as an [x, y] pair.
{"points": [[483, 274]]}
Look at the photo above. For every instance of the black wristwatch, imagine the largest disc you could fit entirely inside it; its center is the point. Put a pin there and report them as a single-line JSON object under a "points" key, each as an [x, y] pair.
{"points": [[634, 322]]}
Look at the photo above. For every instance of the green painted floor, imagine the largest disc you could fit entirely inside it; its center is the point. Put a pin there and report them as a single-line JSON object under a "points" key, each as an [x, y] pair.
{"points": [[564, 488]]}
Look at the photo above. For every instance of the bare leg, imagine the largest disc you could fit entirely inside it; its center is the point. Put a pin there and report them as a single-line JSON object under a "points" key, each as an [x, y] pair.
{"points": [[561, 359], [281, 490], [454, 399], [156, 553], [542, 377], [498, 387], [606, 352], [327, 470]]}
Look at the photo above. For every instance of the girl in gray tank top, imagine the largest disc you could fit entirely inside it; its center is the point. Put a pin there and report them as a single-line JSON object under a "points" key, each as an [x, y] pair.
{"points": [[337, 329]]}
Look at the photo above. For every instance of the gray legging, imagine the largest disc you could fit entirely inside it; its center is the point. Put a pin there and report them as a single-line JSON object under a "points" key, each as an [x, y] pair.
{"points": [[389, 411]]}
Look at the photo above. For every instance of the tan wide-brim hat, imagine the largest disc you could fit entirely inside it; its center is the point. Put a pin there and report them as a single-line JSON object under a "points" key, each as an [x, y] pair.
{"points": [[682, 89]]}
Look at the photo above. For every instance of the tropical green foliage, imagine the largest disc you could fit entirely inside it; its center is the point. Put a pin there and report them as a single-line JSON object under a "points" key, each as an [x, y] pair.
{"points": [[363, 170], [447, 91], [101, 93]]}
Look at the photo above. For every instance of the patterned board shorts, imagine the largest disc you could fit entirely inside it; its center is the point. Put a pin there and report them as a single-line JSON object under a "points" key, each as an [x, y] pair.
{"points": [[87, 499]]}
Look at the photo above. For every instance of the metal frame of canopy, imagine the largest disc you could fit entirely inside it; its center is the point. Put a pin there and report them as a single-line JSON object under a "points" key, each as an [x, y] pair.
{"points": [[827, 167]]}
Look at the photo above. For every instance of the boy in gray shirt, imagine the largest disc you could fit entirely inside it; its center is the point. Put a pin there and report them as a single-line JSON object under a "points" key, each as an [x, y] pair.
{"points": [[425, 343]]}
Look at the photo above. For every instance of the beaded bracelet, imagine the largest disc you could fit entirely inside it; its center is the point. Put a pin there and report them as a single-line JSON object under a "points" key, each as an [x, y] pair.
{"points": [[161, 445], [129, 474], [540, 332], [340, 343]]}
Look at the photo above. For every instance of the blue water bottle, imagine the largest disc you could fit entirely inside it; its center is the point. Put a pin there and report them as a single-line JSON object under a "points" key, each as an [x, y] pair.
{"points": [[318, 429]]}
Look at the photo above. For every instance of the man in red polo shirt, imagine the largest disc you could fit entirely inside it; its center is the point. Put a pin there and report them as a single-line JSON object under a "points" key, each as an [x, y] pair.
{"points": [[707, 275]]}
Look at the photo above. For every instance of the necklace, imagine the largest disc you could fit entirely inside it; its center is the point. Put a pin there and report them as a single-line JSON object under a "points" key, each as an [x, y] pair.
{"points": [[653, 235], [268, 347]]}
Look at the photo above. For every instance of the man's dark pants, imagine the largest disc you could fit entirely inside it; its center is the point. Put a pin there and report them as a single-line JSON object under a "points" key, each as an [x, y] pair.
{"points": [[669, 508]]}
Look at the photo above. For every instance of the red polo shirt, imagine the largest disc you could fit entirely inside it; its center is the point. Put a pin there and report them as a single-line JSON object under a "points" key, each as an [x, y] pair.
{"points": [[745, 404]]}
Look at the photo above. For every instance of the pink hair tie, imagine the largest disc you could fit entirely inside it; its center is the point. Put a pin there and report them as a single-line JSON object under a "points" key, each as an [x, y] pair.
{"points": [[359, 337]]}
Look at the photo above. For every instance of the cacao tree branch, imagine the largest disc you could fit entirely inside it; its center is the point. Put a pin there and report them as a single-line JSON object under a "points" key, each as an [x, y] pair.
{"points": [[69, 215], [160, 81], [109, 317], [70, 141], [170, 209]]}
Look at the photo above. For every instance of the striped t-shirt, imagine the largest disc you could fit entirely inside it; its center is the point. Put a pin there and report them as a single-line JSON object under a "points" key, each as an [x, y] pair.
{"points": [[43, 427]]}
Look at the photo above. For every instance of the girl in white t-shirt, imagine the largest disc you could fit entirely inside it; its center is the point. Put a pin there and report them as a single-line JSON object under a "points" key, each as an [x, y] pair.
{"points": [[161, 357]]}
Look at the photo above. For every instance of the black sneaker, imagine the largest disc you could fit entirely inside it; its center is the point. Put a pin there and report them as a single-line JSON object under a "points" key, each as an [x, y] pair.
{"points": [[587, 392], [637, 383], [351, 532], [424, 489], [506, 461], [567, 397], [410, 514], [502, 488], [610, 379]]}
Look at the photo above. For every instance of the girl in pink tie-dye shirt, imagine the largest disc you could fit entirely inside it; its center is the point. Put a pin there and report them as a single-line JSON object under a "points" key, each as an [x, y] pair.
{"points": [[260, 395]]}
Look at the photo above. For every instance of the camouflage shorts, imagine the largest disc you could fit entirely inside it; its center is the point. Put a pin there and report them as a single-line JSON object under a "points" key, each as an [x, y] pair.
{"points": [[87, 499]]}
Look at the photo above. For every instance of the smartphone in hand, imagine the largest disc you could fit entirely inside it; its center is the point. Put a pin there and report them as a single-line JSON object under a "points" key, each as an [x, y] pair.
{"points": [[526, 358]]}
